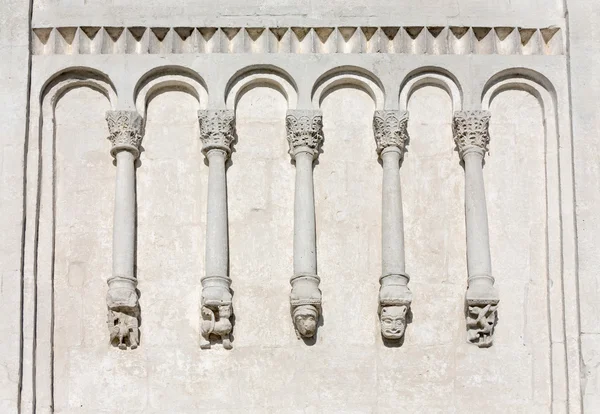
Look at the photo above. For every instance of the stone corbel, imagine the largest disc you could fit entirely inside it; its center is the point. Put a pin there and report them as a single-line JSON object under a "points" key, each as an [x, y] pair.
{"points": [[395, 297], [125, 128], [472, 138], [217, 133], [305, 136]]}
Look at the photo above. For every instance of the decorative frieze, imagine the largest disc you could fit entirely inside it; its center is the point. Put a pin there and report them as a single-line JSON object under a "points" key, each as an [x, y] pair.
{"points": [[305, 135], [395, 298], [217, 133], [304, 130], [419, 40], [125, 128], [472, 139]]}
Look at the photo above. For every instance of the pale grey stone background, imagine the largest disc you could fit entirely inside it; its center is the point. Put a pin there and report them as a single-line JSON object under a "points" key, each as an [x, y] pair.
{"points": [[348, 369]]}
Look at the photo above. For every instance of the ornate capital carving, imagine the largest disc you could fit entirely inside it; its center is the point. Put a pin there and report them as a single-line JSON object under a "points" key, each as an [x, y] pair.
{"points": [[217, 129], [471, 131], [125, 128], [304, 130], [390, 129]]}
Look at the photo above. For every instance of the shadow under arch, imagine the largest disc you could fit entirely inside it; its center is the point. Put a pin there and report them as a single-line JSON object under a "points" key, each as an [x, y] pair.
{"points": [[73, 77], [256, 76], [541, 88], [169, 78], [430, 76], [344, 76]]}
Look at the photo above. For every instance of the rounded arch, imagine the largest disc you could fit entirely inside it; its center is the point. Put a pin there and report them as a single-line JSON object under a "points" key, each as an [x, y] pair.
{"points": [[525, 79], [344, 76], [430, 76], [74, 77], [260, 75], [169, 77], [540, 87]]}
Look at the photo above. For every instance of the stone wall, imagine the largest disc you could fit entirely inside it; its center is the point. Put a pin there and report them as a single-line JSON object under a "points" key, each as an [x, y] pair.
{"points": [[524, 63]]}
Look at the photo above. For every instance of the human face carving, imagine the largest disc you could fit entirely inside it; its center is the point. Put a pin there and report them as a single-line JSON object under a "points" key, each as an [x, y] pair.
{"points": [[393, 321], [305, 320], [306, 325]]}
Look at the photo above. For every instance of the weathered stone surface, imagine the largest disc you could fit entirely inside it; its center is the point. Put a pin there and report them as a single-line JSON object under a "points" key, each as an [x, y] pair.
{"points": [[345, 59]]}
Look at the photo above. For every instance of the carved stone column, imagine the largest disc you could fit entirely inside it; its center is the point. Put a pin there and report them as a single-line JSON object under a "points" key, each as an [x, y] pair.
{"points": [[217, 134], [305, 135], [395, 298], [125, 129], [472, 139]]}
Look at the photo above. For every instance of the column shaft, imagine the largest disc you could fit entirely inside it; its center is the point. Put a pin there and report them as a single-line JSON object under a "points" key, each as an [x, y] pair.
{"points": [[392, 220], [391, 137], [478, 244], [124, 216], [472, 139], [305, 257], [304, 129], [217, 244], [217, 135], [125, 129]]}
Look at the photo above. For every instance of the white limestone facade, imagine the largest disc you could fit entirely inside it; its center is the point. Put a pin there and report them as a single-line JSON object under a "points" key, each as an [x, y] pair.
{"points": [[299, 206]]}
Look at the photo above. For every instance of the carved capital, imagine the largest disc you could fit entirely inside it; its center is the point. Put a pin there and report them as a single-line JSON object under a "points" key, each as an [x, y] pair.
{"points": [[125, 128], [217, 129], [471, 132], [390, 129], [304, 130]]}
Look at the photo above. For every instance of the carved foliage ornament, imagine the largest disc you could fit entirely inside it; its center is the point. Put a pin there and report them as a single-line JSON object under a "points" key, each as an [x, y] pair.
{"points": [[304, 129], [471, 131], [125, 128], [390, 129], [217, 129]]}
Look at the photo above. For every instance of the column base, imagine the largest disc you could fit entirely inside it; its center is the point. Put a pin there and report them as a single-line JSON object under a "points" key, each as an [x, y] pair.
{"points": [[216, 311]]}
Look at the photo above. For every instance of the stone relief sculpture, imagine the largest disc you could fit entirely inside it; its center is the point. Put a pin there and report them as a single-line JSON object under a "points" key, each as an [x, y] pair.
{"points": [[395, 298], [305, 136], [217, 132], [125, 128], [472, 139]]}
